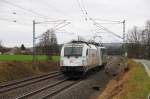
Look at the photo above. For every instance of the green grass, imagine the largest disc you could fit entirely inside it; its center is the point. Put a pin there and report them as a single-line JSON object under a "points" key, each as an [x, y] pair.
{"points": [[25, 57], [55, 58], [138, 83]]}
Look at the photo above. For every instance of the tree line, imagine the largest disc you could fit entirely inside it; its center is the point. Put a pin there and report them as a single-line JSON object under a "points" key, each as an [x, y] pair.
{"points": [[138, 42]]}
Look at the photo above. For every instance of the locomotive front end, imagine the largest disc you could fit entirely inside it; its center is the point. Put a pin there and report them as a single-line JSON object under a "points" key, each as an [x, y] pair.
{"points": [[73, 61]]}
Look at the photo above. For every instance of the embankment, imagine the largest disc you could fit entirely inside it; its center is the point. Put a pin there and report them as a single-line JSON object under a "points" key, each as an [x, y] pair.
{"points": [[12, 70]]}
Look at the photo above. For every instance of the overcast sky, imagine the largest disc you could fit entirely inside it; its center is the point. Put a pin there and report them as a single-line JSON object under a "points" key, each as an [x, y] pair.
{"points": [[135, 12]]}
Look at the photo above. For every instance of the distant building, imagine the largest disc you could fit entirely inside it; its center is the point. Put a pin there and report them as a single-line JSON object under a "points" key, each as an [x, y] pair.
{"points": [[14, 50], [27, 51]]}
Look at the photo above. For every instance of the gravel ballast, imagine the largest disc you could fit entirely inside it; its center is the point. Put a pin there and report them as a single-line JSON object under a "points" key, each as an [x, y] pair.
{"points": [[87, 88]]}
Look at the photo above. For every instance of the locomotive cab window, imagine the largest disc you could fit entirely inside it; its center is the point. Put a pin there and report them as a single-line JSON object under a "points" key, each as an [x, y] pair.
{"points": [[73, 51]]}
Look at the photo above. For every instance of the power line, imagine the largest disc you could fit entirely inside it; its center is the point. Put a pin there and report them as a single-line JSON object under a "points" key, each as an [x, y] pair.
{"points": [[85, 13], [56, 10], [108, 23], [22, 13], [35, 13], [28, 10], [104, 28], [67, 23], [4, 19], [112, 21], [53, 21], [98, 25], [87, 18], [78, 2], [59, 11], [14, 21], [85, 10]]}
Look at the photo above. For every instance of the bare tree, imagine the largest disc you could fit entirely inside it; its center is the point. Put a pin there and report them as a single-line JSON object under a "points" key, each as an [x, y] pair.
{"points": [[139, 42], [147, 30], [135, 42], [48, 43], [134, 35]]}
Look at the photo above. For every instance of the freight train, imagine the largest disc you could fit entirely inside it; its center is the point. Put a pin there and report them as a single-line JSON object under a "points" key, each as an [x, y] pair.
{"points": [[78, 57]]}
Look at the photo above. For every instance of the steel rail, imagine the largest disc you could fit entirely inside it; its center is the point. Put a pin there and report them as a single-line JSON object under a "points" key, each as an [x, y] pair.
{"points": [[41, 89], [25, 82], [60, 90]]}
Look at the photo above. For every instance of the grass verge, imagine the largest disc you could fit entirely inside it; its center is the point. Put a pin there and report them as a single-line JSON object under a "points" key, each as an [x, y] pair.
{"points": [[25, 57], [138, 85], [133, 84]]}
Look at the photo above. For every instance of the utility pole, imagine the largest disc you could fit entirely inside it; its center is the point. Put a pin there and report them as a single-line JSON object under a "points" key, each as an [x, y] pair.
{"points": [[57, 22], [33, 60], [124, 31], [124, 38]]}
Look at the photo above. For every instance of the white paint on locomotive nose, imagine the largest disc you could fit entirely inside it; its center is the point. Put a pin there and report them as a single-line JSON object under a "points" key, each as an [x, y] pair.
{"points": [[71, 61]]}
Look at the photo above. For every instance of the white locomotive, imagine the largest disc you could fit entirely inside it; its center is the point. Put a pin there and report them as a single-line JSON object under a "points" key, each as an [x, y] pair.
{"points": [[77, 57]]}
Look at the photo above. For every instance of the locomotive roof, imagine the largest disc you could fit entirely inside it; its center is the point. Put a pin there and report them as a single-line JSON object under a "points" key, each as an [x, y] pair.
{"points": [[93, 43]]}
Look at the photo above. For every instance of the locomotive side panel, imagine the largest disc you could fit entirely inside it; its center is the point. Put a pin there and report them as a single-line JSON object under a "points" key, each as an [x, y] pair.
{"points": [[93, 57]]}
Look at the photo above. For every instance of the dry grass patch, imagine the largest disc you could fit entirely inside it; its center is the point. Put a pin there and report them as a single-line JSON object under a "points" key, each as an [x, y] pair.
{"points": [[133, 84], [15, 70], [12, 70]]}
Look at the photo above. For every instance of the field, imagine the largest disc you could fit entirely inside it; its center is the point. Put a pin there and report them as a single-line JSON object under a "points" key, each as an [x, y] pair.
{"points": [[25, 57]]}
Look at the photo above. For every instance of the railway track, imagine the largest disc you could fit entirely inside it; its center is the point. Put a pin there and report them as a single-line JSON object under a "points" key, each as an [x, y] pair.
{"points": [[50, 90], [49, 85], [24, 82], [59, 90], [46, 86]]}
